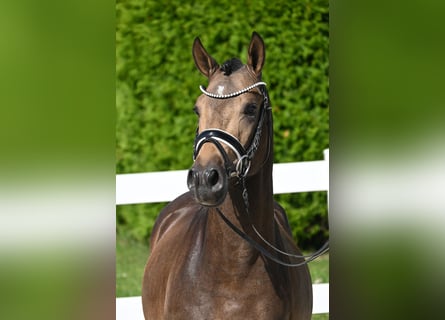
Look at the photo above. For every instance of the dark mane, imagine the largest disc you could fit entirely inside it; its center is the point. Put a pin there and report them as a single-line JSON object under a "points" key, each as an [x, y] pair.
{"points": [[230, 66]]}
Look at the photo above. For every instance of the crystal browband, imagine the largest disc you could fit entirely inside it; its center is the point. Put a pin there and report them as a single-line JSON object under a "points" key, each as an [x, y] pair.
{"points": [[233, 94]]}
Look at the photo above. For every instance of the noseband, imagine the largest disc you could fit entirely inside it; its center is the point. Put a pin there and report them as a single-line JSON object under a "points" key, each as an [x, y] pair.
{"points": [[218, 137]]}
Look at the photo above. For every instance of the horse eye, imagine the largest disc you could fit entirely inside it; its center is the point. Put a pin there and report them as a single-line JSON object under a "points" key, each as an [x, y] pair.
{"points": [[250, 110], [195, 110]]}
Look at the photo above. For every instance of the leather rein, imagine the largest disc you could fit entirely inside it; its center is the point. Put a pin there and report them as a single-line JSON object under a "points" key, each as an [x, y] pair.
{"points": [[240, 169]]}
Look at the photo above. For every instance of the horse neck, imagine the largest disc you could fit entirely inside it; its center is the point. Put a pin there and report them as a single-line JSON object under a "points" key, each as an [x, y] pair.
{"points": [[261, 204], [259, 188], [260, 185]]}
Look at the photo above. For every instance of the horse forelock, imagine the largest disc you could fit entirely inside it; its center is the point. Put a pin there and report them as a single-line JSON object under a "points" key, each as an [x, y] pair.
{"points": [[230, 66]]}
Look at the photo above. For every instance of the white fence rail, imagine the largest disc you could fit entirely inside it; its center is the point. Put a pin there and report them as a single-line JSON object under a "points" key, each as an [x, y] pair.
{"points": [[152, 187]]}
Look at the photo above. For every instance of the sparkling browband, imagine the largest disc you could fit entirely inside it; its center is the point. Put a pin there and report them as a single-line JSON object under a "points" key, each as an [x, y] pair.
{"points": [[230, 95]]}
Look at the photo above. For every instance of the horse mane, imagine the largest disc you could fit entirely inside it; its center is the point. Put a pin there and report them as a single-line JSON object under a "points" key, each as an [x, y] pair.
{"points": [[230, 66]]}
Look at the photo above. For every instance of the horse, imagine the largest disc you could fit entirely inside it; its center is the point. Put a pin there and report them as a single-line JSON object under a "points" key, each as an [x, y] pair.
{"points": [[205, 260]]}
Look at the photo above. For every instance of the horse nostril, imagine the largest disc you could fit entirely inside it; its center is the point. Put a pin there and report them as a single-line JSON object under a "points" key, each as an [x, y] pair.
{"points": [[191, 179], [212, 177]]}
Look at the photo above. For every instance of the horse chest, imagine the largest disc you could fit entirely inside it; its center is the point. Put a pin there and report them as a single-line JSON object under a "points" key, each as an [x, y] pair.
{"points": [[209, 294], [192, 275]]}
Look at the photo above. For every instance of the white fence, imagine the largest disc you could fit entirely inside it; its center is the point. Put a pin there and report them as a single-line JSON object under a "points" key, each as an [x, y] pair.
{"points": [[151, 187]]}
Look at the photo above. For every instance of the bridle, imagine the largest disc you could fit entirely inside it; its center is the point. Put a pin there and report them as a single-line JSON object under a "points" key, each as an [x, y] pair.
{"points": [[241, 167], [218, 137]]}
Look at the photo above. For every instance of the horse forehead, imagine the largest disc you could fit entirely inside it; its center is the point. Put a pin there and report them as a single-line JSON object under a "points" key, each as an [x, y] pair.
{"points": [[222, 84]]}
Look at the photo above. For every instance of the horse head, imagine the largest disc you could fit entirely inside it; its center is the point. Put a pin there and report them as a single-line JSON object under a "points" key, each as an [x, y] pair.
{"points": [[231, 112]]}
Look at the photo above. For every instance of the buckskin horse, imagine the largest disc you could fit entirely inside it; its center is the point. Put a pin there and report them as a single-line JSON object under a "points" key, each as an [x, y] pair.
{"points": [[224, 250]]}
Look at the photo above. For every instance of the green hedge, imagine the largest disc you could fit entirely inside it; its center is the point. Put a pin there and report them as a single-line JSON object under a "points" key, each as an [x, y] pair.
{"points": [[157, 85]]}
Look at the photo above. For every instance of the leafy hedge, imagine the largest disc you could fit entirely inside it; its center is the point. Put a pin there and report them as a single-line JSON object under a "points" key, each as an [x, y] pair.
{"points": [[157, 85]]}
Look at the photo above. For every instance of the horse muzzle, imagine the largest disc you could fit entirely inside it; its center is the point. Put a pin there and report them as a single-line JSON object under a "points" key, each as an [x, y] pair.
{"points": [[208, 184]]}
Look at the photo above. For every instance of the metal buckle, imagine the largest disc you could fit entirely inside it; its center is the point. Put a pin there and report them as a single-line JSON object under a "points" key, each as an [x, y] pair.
{"points": [[242, 166]]}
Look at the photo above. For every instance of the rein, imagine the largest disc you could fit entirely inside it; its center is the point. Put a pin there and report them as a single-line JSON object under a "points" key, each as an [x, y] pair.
{"points": [[266, 253], [240, 170], [308, 258]]}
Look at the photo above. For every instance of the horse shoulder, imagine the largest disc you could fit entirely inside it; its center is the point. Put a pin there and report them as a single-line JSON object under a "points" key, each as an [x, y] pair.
{"points": [[171, 227], [170, 214]]}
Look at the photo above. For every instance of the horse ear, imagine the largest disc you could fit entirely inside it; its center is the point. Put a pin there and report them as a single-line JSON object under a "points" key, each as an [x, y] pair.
{"points": [[203, 61], [256, 54]]}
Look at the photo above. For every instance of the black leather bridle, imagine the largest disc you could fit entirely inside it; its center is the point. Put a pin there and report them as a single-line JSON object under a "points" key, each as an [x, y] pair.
{"points": [[241, 167]]}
